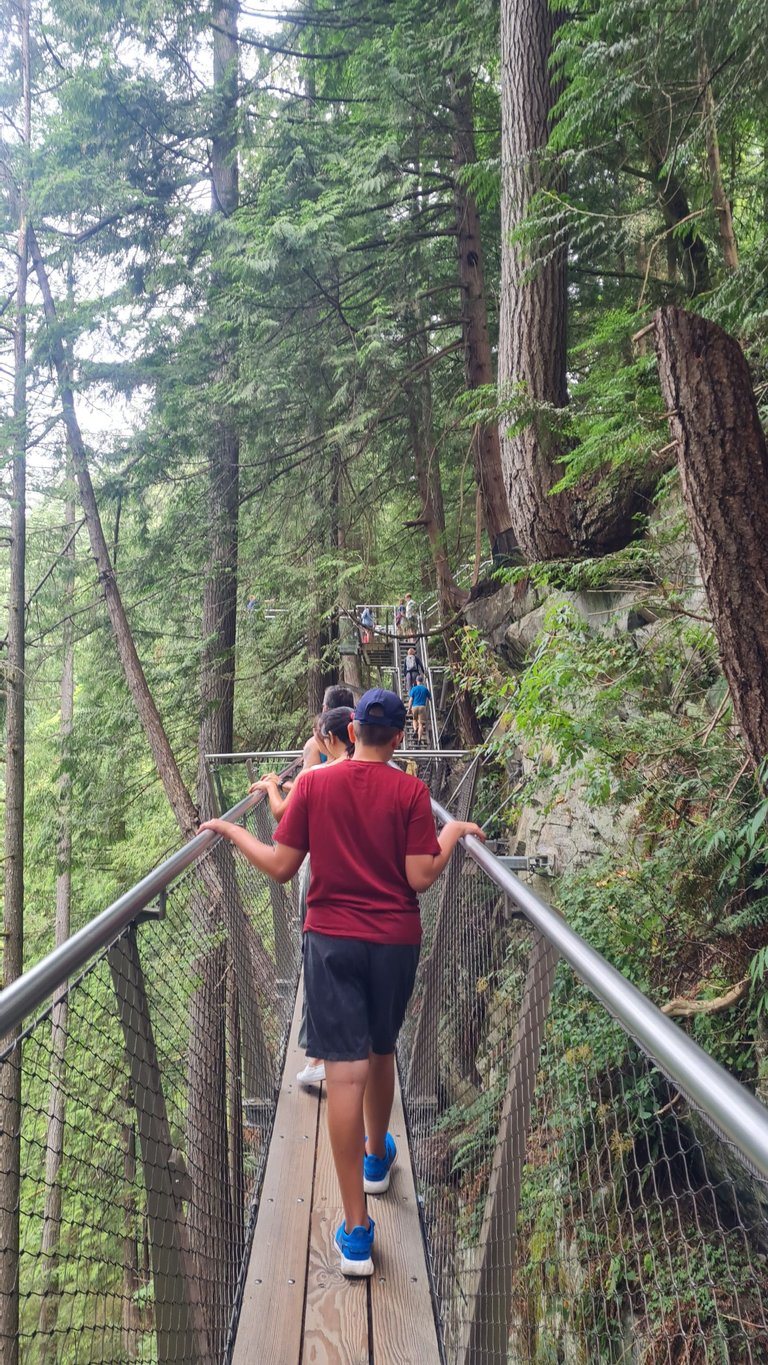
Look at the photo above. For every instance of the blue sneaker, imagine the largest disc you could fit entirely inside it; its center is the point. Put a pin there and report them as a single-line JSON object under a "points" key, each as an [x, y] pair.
{"points": [[355, 1249], [377, 1169]]}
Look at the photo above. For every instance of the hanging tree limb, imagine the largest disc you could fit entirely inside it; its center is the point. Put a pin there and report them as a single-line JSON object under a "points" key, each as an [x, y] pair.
{"points": [[683, 1008]]}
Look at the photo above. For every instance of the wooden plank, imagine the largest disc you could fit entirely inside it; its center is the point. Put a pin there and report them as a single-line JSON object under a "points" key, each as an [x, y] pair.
{"points": [[403, 1324], [336, 1325], [273, 1300]]}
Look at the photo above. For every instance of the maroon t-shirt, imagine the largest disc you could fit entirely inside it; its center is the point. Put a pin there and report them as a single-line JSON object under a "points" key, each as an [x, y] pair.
{"points": [[358, 821]]}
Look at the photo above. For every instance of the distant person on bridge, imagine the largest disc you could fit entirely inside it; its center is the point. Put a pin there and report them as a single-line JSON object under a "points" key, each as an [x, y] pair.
{"points": [[332, 732], [412, 667], [332, 697], [400, 610], [368, 624], [369, 830], [410, 612], [417, 705]]}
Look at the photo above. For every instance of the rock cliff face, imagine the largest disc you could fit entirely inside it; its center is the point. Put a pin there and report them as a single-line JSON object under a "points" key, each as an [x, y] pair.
{"points": [[512, 619], [560, 825]]}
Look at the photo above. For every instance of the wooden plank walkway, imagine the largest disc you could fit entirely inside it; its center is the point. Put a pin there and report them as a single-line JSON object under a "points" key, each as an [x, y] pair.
{"points": [[298, 1309]]}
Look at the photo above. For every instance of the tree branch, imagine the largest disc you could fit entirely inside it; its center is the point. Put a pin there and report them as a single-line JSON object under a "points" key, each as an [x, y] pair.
{"points": [[683, 1008]]}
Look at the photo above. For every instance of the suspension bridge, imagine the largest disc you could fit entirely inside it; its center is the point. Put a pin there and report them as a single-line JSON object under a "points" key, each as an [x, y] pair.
{"points": [[577, 1181]]}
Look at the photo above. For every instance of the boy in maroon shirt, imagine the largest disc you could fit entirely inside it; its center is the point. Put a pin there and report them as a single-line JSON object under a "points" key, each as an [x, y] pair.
{"points": [[371, 835]]}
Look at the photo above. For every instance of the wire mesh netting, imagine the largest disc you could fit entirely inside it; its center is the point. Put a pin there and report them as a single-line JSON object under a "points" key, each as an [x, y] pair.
{"points": [[577, 1207], [148, 1093]]}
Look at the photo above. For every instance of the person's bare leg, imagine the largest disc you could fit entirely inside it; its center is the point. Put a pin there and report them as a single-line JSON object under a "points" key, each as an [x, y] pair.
{"points": [[346, 1083], [379, 1094]]}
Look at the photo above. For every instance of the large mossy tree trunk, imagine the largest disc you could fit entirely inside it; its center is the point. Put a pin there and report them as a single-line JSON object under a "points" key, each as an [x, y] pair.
{"points": [[594, 517], [534, 297], [721, 449]]}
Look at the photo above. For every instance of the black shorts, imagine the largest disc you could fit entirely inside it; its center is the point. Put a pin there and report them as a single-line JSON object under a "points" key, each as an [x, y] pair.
{"points": [[357, 994]]}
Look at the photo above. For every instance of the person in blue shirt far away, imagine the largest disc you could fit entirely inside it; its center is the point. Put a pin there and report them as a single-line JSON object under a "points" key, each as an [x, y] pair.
{"points": [[417, 705]]}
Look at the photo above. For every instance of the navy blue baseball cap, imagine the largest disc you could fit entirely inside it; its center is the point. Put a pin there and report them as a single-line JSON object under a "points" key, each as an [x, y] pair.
{"points": [[379, 707]]}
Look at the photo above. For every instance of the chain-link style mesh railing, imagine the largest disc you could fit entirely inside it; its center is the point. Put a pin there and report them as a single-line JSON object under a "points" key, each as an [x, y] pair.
{"points": [[579, 1206], [583, 1202], [148, 1092]]}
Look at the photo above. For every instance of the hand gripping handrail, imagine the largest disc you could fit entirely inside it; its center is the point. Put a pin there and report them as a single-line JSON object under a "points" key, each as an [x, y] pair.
{"points": [[727, 1104], [39, 982]]}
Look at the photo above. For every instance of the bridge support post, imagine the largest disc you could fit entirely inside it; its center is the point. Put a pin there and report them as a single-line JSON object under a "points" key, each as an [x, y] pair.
{"points": [[179, 1323], [489, 1284]]}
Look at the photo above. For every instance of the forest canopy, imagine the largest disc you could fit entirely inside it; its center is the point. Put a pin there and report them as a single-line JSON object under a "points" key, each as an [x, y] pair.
{"points": [[305, 306], [319, 299]]}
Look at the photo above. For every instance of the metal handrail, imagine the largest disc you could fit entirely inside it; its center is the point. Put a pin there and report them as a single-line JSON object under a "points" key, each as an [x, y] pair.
{"points": [[39, 982], [399, 753], [726, 1103]]}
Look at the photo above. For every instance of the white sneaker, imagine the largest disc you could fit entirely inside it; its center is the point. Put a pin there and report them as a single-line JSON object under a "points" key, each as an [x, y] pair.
{"points": [[312, 1075]]}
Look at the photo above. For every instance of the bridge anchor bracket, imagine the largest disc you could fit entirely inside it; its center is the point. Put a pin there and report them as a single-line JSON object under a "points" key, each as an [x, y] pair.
{"points": [[155, 911], [542, 863]]}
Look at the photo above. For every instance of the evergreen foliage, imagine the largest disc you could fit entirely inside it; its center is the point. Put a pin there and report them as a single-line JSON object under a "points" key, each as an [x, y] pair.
{"points": [[328, 294]]}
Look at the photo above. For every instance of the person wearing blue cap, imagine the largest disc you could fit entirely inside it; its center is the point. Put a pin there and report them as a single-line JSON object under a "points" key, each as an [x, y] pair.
{"points": [[370, 833]]}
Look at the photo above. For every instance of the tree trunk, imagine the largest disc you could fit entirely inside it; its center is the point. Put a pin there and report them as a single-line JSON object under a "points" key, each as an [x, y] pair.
{"points": [[210, 1215], [723, 461], [237, 1187], [532, 323], [478, 363], [13, 891], [676, 212], [431, 512], [719, 197], [350, 671], [320, 631], [178, 796], [219, 623], [315, 647], [597, 516], [217, 672], [224, 171], [209, 1212], [49, 1248], [427, 465]]}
